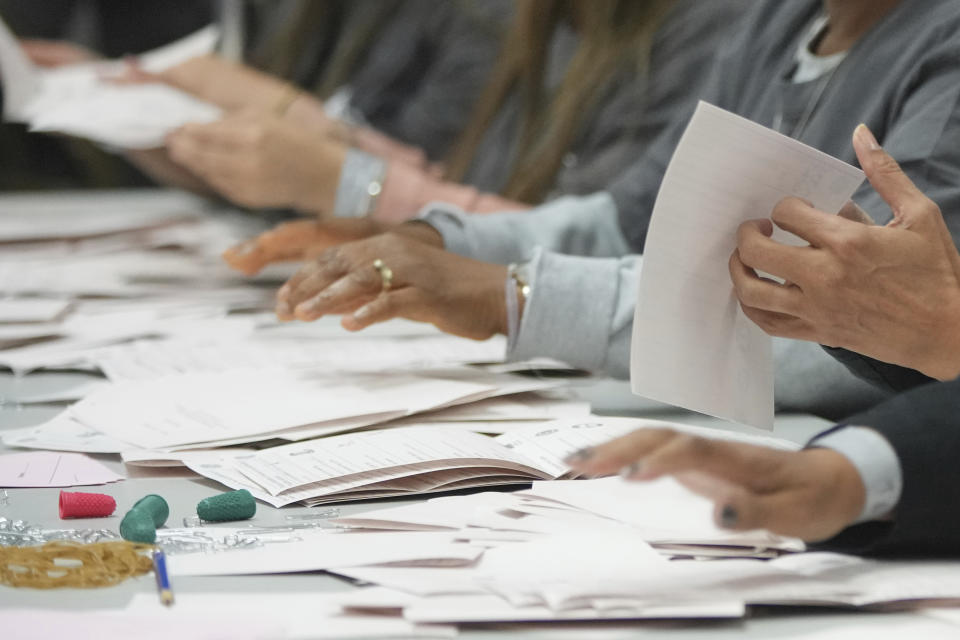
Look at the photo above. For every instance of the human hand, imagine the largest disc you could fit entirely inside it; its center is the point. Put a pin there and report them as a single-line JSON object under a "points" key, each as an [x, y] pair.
{"points": [[297, 241], [229, 85], [258, 160], [56, 53], [305, 239], [457, 295], [811, 494], [891, 292]]}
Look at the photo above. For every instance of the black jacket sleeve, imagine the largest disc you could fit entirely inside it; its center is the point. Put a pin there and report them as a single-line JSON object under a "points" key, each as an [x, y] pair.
{"points": [[889, 377], [923, 426]]}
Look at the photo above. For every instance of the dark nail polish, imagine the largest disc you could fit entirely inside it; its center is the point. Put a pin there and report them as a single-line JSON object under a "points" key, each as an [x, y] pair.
{"points": [[728, 516], [631, 469], [580, 456]]}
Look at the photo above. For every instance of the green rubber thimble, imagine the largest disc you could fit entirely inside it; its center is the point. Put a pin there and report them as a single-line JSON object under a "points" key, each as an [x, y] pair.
{"points": [[155, 506], [233, 505], [137, 526]]}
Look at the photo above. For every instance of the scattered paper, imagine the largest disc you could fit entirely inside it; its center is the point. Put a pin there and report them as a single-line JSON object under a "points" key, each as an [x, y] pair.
{"points": [[50, 469], [16, 310], [692, 345], [320, 549], [45, 623]]}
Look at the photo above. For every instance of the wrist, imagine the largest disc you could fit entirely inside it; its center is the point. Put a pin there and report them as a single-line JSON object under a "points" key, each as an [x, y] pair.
{"points": [[321, 183], [420, 231], [841, 481], [944, 359]]}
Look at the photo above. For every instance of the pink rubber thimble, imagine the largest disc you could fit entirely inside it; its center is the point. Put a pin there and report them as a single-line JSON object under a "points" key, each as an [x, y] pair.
{"points": [[74, 504]]}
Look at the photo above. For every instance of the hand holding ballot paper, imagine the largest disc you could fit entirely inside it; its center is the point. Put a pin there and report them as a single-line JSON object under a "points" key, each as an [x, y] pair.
{"points": [[692, 345], [81, 100]]}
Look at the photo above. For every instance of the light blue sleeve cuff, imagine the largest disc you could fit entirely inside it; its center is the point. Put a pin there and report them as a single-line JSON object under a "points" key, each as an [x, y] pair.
{"points": [[361, 181], [573, 313], [451, 223], [876, 461]]}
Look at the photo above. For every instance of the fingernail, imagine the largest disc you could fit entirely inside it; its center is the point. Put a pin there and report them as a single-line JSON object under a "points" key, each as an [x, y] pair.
{"points": [[580, 456], [244, 248], [361, 313], [631, 470], [728, 516], [866, 136]]}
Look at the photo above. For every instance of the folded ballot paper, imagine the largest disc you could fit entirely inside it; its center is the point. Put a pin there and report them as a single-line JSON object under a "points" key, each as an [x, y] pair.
{"points": [[78, 100], [407, 461], [692, 345]]}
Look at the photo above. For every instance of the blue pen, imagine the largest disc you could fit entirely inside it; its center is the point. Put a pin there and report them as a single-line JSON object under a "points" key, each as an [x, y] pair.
{"points": [[163, 580]]}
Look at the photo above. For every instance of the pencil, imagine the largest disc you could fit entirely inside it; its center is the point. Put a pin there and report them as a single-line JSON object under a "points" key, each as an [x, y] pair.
{"points": [[163, 580]]}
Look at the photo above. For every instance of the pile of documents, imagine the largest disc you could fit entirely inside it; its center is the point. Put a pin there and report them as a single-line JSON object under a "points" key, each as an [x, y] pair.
{"points": [[186, 358], [571, 550]]}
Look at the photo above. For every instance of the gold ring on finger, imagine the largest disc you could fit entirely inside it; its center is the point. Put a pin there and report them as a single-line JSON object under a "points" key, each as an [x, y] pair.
{"points": [[386, 274]]}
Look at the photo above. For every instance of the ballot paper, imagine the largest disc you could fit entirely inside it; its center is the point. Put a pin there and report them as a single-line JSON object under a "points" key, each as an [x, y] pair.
{"points": [[149, 359], [63, 433], [20, 310], [52, 469], [401, 461], [251, 405], [491, 608], [408, 460], [79, 100], [692, 346], [804, 579], [302, 616], [663, 510], [319, 549], [46, 623]]}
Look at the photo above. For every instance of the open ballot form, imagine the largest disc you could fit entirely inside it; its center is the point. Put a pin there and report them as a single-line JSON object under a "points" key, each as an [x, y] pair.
{"points": [[692, 345], [416, 460], [80, 100]]}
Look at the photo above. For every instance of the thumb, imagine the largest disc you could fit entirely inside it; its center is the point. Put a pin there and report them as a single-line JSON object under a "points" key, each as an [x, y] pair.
{"points": [[888, 179], [742, 510]]}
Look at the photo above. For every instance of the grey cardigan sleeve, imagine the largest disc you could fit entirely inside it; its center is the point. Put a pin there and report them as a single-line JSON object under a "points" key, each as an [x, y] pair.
{"points": [[584, 226]]}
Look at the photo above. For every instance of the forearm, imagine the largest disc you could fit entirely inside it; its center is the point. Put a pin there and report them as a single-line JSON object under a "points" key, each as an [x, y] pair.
{"points": [[164, 171], [584, 226]]}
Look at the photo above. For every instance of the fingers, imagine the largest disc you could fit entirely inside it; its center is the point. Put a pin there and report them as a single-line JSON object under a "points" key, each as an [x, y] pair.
{"points": [[731, 462], [404, 303], [345, 295], [782, 325], [646, 454], [888, 179], [852, 211], [338, 281], [911, 208], [762, 293], [801, 219], [758, 251], [288, 241], [619, 453], [744, 510]]}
